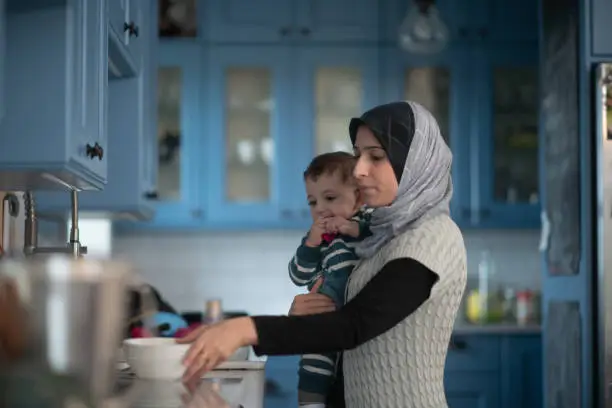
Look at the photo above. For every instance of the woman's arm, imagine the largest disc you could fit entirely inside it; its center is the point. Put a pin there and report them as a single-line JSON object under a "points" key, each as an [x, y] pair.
{"points": [[393, 294]]}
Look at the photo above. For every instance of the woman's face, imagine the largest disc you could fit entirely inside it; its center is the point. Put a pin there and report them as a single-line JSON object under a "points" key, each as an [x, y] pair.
{"points": [[374, 174]]}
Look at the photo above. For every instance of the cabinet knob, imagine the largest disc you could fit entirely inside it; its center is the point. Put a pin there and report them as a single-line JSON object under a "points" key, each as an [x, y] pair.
{"points": [[284, 31], [485, 213], [286, 214], [197, 213], [463, 32], [151, 195], [94, 151], [305, 31], [131, 29]]}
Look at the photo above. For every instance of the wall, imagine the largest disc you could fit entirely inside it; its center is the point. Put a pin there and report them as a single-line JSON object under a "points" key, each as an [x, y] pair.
{"points": [[249, 270]]}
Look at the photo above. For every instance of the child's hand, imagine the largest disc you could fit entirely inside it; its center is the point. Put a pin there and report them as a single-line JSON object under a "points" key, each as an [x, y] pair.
{"points": [[316, 233], [339, 225]]}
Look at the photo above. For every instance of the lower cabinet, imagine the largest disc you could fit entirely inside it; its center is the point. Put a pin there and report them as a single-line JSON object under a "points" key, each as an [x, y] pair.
{"points": [[483, 370]]}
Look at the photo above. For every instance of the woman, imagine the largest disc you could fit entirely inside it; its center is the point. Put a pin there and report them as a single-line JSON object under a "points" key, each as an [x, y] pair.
{"points": [[402, 297]]}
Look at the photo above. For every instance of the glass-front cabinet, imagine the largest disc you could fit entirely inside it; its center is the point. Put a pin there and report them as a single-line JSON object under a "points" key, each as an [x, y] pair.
{"points": [[336, 84], [248, 133], [439, 83], [178, 105], [507, 179]]}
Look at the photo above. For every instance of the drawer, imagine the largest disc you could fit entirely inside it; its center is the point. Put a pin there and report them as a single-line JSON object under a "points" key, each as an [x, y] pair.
{"points": [[473, 353]]}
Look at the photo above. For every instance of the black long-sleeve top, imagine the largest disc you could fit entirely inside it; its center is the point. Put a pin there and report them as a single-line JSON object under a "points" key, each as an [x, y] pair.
{"points": [[394, 293]]}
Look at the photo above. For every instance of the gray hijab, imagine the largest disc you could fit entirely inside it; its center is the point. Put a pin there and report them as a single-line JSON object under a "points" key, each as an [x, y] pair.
{"points": [[422, 162]]}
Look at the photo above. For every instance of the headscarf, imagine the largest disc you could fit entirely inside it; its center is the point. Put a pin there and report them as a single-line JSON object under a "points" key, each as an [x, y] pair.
{"points": [[421, 161]]}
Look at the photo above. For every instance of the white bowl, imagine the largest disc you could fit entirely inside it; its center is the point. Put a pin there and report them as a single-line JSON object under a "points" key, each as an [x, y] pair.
{"points": [[155, 357], [161, 358]]}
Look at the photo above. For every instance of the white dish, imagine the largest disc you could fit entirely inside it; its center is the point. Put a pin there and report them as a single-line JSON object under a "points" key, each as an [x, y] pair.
{"points": [[161, 358]]}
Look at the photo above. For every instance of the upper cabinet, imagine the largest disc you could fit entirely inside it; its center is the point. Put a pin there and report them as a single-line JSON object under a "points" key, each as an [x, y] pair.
{"points": [[131, 130], [56, 81], [472, 21], [273, 21]]}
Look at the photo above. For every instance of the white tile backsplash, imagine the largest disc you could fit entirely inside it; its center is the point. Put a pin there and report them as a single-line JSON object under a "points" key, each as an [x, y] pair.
{"points": [[248, 270]]}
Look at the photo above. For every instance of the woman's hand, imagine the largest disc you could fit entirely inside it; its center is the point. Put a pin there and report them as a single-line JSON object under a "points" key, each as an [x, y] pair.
{"points": [[312, 303], [212, 345]]}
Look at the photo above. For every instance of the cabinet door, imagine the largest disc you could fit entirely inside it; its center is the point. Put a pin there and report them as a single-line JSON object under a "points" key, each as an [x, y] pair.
{"points": [[2, 54], [506, 113], [472, 389], [267, 21], [249, 135], [522, 372], [178, 137], [601, 30], [281, 382], [332, 86], [439, 83], [117, 16], [331, 21], [88, 74], [134, 35]]}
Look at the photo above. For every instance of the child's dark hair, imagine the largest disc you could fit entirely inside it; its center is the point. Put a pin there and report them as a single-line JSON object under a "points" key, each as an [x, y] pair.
{"points": [[330, 163]]}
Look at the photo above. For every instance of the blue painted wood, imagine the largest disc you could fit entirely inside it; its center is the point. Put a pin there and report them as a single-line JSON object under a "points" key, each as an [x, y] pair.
{"points": [[393, 68], [580, 287], [282, 380], [486, 60], [277, 61], [307, 62], [187, 209], [278, 21], [229, 21], [522, 372], [508, 21], [472, 390], [473, 353], [124, 48], [600, 28], [56, 81], [131, 127]]}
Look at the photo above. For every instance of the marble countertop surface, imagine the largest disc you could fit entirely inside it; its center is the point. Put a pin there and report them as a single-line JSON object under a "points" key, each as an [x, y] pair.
{"points": [[496, 328]]}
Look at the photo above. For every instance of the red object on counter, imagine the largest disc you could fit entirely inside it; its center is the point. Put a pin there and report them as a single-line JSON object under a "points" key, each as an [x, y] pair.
{"points": [[182, 332], [140, 332]]}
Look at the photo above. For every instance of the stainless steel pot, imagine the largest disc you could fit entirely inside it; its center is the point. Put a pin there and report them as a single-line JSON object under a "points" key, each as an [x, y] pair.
{"points": [[72, 319]]}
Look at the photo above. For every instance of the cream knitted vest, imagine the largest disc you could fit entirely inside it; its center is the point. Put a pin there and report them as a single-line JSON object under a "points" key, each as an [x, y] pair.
{"points": [[404, 367]]}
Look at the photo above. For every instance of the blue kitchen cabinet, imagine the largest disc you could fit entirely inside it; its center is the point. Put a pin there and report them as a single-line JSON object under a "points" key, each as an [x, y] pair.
{"points": [[600, 28], [178, 135], [439, 82], [2, 56], [274, 21], [131, 130], [247, 160], [472, 390], [471, 21], [127, 34], [522, 380], [56, 82], [505, 118], [334, 84]]}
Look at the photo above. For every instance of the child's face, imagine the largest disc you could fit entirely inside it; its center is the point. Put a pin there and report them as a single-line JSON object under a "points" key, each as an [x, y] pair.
{"points": [[329, 196]]}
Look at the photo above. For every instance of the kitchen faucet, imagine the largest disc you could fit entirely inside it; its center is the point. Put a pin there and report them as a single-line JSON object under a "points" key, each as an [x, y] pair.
{"points": [[30, 242]]}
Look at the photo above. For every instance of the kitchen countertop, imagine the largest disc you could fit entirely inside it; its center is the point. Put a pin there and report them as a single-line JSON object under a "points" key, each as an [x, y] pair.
{"points": [[496, 328]]}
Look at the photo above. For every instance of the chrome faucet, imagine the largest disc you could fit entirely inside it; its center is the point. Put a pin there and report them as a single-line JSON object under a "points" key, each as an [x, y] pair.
{"points": [[30, 242]]}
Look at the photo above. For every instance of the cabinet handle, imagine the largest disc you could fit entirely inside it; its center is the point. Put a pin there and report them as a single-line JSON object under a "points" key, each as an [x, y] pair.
{"points": [[284, 31], [197, 213], [305, 31], [485, 213], [151, 195], [483, 33], [457, 344], [94, 151], [131, 29], [286, 214], [463, 32]]}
